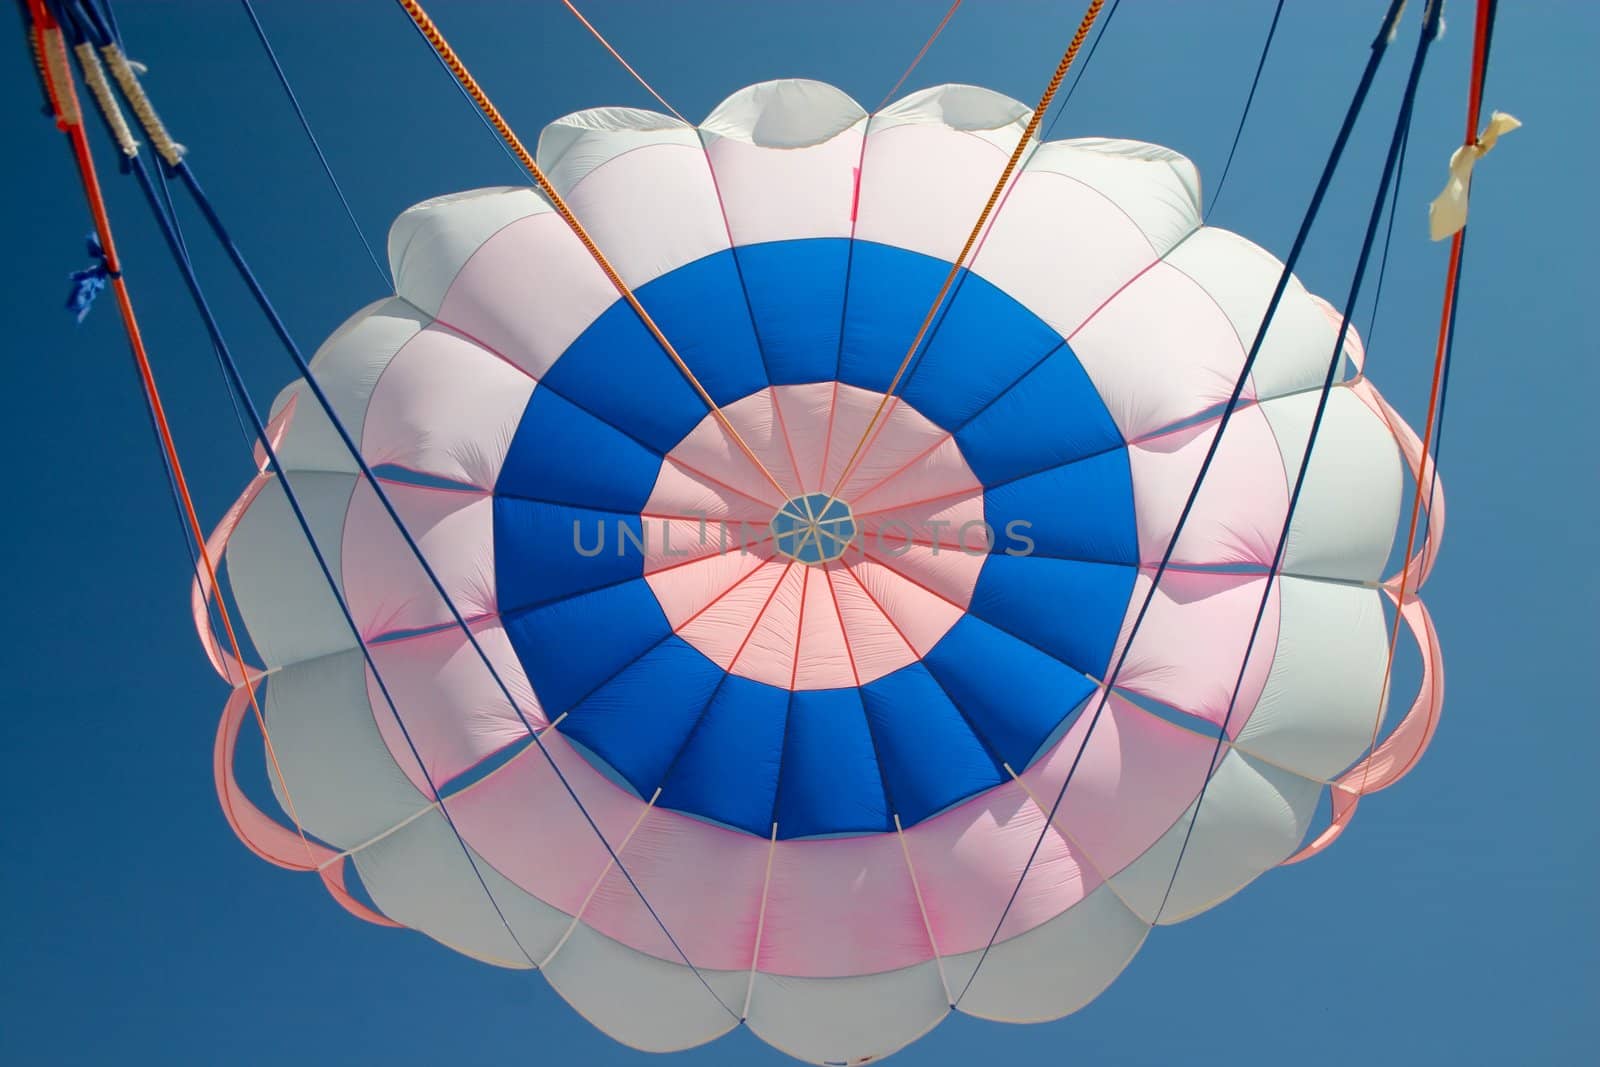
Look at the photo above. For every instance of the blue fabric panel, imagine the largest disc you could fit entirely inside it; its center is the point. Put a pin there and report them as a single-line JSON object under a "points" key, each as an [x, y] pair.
{"points": [[572, 647], [796, 291], [830, 781], [1068, 609], [536, 560], [1013, 694], [1081, 511], [640, 719], [1053, 415], [983, 342], [646, 705], [728, 771], [618, 371], [890, 290], [565, 455], [931, 759]]}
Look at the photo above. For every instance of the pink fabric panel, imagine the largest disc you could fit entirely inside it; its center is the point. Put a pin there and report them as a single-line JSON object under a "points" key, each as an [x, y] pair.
{"points": [[876, 646], [686, 592], [684, 493], [445, 407], [1031, 253], [1138, 774], [713, 919], [674, 543], [548, 849], [1393, 759], [651, 210], [528, 292], [1354, 347], [265, 836], [806, 414], [386, 588], [722, 628], [938, 474], [946, 573], [1189, 649], [261, 834], [968, 861], [553, 853], [448, 701], [919, 615], [922, 187], [223, 661], [776, 194], [822, 659], [769, 652], [843, 906], [904, 447], [201, 589], [1160, 351], [936, 523], [1237, 517], [711, 453], [1420, 565]]}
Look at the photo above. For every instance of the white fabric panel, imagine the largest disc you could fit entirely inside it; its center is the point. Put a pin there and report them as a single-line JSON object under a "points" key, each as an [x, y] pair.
{"points": [[1344, 523], [984, 113], [785, 155], [930, 163], [787, 113], [573, 146], [345, 785], [1156, 187], [430, 242], [646, 1003], [386, 587], [1053, 969], [1315, 715], [285, 602], [347, 366], [847, 1020], [1240, 277], [639, 184], [1253, 815], [446, 407], [420, 876]]}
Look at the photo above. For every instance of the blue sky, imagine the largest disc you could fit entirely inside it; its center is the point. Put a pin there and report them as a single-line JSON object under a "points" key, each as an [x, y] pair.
{"points": [[1454, 923]]}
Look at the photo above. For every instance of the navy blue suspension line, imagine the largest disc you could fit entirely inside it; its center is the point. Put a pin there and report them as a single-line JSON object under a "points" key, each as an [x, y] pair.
{"points": [[1083, 68], [1261, 64], [1388, 238], [1378, 48], [237, 386], [1430, 26], [219, 230], [305, 124]]}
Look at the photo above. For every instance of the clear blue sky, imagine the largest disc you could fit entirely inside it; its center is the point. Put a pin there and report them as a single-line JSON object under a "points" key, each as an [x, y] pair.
{"points": [[1453, 924]]}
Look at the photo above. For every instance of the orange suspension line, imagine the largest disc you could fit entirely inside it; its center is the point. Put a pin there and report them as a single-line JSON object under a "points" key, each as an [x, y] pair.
{"points": [[1092, 13], [625, 64], [1452, 280], [50, 48], [452, 62], [932, 37]]}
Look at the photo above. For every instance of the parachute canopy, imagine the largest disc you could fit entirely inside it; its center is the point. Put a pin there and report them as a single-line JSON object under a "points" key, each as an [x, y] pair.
{"points": [[802, 711]]}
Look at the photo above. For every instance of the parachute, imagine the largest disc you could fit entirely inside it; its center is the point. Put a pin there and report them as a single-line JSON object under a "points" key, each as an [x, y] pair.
{"points": [[828, 687]]}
